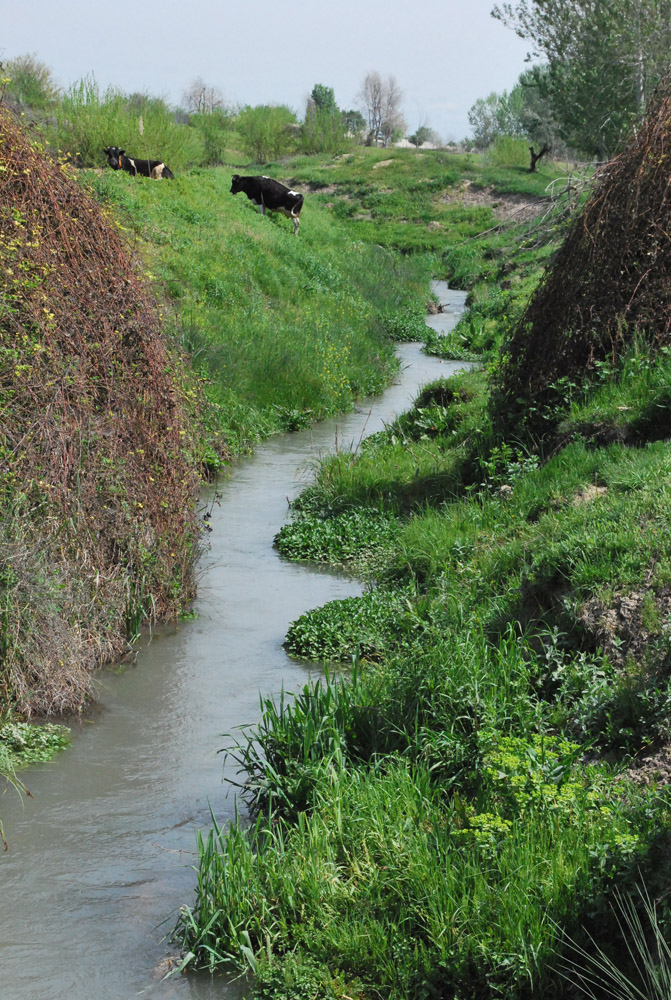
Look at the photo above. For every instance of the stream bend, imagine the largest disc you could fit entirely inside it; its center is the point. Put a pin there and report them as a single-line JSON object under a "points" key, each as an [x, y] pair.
{"points": [[101, 857]]}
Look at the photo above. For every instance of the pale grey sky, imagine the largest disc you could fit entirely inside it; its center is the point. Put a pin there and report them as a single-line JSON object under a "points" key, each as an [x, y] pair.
{"points": [[444, 53]]}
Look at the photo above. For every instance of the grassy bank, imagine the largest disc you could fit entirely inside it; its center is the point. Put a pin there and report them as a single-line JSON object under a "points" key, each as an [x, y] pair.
{"points": [[280, 332], [444, 820]]}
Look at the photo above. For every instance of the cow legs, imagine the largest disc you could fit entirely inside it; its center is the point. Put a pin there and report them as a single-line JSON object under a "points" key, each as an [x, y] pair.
{"points": [[297, 223]]}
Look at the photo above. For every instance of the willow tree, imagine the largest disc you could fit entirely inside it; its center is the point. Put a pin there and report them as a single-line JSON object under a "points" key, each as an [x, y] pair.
{"points": [[603, 60]]}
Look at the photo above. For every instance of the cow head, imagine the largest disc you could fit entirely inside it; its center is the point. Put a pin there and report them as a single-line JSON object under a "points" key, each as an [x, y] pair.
{"points": [[236, 184], [114, 154]]}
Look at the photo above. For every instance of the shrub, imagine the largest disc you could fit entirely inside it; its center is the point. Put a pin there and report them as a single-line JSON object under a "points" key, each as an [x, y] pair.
{"points": [[214, 130], [266, 132], [88, 121], [506, 151]]}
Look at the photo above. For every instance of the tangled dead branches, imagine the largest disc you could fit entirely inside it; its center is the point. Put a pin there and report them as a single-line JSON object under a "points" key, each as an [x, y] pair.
{"points": [[610, 280], [96, 488]]}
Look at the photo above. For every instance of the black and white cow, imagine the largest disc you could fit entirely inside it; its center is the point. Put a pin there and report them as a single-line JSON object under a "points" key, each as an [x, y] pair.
{"points": [[270, 194], [118, 160]]}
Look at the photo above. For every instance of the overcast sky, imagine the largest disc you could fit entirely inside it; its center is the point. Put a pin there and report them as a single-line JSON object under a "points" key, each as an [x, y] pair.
{"points": [[444, 53]]}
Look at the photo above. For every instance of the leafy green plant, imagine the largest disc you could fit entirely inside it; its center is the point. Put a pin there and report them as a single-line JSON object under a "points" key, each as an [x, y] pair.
{"points": [[265, 131], [27, 743], [366, 626], [339, 537]]}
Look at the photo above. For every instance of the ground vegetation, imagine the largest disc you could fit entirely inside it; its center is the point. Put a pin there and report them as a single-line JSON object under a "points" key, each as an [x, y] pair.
{"points": [[452, 808]]}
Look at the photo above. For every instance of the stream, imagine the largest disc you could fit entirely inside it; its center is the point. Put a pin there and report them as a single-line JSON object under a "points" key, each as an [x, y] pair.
{"points": [[101, 856]]}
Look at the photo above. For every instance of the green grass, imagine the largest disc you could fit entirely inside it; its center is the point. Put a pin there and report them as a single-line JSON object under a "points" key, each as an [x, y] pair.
{"points": [[413, 200], [280, 331], [435, 820], [436, 823], [377, 875]]}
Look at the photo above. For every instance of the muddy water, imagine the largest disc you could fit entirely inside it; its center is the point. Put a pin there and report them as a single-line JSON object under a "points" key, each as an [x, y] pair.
{"points": [[101, 856]]}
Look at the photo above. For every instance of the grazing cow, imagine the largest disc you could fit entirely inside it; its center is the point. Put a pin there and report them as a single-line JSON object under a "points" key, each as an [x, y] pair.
{"points": [[118, 160], [270, 194]]}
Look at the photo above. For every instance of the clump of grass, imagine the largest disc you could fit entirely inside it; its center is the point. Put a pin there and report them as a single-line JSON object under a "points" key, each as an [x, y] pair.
{"points": [[88, 120], [642, 968], [393, 885]]}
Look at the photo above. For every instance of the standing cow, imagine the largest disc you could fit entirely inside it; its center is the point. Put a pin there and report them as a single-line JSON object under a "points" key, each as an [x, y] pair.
{"points": [[271, 195]]}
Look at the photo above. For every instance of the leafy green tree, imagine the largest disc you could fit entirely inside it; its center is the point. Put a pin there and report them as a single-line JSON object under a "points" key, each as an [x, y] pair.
{"points": [[323, 130], [423, 134], [267, 131], [354, 122], [324, 99], [603, 60], [495, 116], [31, 83]]}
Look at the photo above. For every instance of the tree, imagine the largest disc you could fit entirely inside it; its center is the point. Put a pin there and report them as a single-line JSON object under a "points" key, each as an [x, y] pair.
{"points": [[354, 122], [266, 131], [496, 115], [380, 102], [422, 135], [200, 98], [536, 114], [324, 99], [31, 83], [323, 130], [524, 113], [603, 61], [393, 122]]}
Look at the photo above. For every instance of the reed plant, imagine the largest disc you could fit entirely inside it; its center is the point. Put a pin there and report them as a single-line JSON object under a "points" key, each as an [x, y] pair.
{"points": [[89, 119], [641, 970]]}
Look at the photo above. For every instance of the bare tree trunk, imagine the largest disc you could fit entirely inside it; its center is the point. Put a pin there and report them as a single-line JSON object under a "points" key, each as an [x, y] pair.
{"points": [[535, 157]]}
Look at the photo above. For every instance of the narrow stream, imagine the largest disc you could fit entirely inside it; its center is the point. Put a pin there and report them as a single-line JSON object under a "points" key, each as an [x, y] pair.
{"points": [[101, 856]]}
